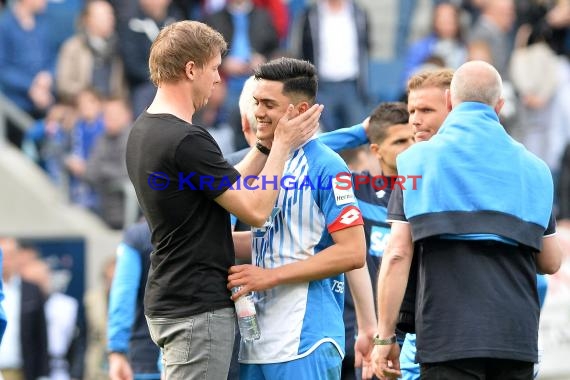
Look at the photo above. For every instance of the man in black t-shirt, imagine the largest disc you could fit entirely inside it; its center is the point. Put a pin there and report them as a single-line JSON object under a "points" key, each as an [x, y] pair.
{"points": [[182, 182]]}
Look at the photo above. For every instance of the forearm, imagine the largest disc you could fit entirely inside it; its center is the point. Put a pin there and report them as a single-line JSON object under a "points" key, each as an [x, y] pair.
{"points": [[252, 198], [338, 258], [549, 260], [363, 296], [392, 281], [265, 186], [252, 163], [242, 244]]}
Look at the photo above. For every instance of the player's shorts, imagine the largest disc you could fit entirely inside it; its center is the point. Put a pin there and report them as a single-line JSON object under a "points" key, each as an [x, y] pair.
{"points": [[325, 363]]}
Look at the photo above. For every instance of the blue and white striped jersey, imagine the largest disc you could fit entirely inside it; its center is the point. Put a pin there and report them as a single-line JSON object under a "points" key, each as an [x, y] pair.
{"points": [[296, 318]]}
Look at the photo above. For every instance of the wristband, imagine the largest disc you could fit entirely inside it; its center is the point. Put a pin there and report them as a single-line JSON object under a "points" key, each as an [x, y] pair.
{"points": [[262, 148], [384, 342]]}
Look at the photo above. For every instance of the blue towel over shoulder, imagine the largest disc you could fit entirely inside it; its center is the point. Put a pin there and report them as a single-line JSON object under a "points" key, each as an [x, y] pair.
{"points": [[476, 179]]}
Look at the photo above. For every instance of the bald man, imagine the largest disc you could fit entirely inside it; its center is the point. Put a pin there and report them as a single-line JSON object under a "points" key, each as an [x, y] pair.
{"points": [[481, 221]]}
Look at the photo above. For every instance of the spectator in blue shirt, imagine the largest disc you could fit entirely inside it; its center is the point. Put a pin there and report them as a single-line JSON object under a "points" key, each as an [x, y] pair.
{"points": [[26, 62]]}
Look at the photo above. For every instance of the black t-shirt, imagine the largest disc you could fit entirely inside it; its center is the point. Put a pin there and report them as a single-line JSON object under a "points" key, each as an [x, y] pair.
{"points": [[177, 170], [475, 298]]}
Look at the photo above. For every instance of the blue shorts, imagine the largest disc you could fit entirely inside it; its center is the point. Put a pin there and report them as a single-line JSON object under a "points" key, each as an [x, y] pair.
{"points": [[325, 363]]}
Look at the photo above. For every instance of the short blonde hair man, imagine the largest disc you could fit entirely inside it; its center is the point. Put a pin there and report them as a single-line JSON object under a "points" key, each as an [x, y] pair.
{"points": [[179, 43]]}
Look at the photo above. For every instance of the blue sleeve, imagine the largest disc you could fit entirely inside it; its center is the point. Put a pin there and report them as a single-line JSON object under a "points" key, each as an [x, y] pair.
{"points": [[2, 314], [337, 202], [123, 297], [345, 138], [551, 228]]}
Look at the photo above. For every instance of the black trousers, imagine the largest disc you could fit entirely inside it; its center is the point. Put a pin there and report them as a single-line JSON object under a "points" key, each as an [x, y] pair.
{"points": [[478, 369]]}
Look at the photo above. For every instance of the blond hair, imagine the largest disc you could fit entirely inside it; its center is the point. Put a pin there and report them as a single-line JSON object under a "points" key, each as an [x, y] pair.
{"points": [[179, 43], [440, 78]]}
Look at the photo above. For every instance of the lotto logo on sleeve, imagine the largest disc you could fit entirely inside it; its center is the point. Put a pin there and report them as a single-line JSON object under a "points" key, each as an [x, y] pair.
{"points": [[350, 216]]}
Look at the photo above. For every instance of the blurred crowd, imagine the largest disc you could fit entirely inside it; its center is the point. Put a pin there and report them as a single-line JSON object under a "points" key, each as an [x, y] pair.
{"points": [[84, 77], [53, 335]]}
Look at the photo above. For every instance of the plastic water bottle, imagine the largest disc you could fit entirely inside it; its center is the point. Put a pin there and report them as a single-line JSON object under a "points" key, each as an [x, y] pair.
{"points": [[247, 316]]}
